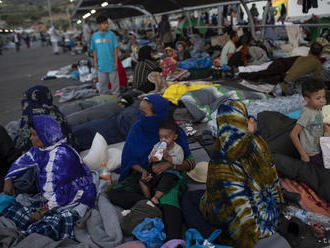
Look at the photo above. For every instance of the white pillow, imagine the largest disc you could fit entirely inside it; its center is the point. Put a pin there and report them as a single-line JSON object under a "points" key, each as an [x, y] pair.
{"points": [[97, 154], [326, 114], [114, 159]]}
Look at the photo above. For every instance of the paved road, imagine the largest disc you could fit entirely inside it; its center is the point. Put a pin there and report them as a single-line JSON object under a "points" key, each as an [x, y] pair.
{"points": [[21, 70]]}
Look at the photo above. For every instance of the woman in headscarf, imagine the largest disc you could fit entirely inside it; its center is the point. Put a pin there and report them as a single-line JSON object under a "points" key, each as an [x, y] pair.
{"points": [[38, 101], [243, 194], [65, 182], [142, 137], [144, 67]]}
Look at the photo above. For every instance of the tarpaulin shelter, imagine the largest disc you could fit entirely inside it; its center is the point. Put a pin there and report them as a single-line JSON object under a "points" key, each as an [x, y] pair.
{"points": [[194, 22], [118, 9], [129, 8]]}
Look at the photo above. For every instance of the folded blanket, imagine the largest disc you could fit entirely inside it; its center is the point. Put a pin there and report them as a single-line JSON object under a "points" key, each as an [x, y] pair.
{"points": [[204, 102], [100, 227], [76, 92]]}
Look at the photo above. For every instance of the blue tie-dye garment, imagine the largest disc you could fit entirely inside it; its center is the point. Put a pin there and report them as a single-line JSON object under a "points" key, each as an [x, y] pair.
{"points": [[62, 176]]}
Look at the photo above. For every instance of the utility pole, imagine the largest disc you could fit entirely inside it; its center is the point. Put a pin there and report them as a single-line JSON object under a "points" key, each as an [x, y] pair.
{"points": [[69, 17], [50, 13]]}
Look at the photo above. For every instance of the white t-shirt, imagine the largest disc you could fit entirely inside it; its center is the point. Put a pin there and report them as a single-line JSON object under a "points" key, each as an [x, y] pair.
{"points": [[228, 48]]}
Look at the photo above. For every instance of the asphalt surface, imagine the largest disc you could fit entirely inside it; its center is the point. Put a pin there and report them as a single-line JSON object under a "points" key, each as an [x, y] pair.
{"points": [[21, 70]]}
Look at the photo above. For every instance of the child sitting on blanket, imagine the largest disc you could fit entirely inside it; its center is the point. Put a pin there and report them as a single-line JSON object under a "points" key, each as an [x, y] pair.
{"points": [[169, 63], [173, 153], [309, 128], [182, 52]]}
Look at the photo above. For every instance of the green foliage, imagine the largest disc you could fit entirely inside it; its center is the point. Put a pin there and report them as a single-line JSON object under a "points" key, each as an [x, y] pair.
{"points": [[62, 24], [27, 12]]}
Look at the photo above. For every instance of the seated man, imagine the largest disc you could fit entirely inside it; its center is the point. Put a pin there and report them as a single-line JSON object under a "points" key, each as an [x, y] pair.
{"points": [[305, 65], [229, 49]]}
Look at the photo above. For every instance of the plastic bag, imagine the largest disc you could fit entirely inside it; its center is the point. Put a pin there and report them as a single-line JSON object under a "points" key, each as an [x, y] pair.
{"points": [[174, 243], [85, 70], [325, 147], [6, 201], [150, 232], [195, 240], [205, 62]]}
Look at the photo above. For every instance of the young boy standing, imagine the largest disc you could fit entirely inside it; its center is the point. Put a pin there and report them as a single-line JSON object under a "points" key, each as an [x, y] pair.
{"points": [[104, 45], [309, 128]]}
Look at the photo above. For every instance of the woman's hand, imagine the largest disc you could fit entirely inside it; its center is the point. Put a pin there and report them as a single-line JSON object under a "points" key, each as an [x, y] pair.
{"points": [[146, 176], [161, 167], [252, 125], [305, 157], [9, 188], [35, 217]]}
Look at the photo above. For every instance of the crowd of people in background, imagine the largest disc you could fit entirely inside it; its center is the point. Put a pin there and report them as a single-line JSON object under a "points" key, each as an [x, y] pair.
{"points": [[242, 194]]}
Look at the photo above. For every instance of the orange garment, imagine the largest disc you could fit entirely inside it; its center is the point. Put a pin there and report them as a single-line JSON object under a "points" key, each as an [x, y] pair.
{"points": [[309, 199], [245, 54]]}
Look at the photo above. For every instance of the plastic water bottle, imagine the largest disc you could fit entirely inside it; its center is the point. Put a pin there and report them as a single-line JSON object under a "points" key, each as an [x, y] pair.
{"points": [[105, 174], [277, 90], [160, 150], [309, 218]]}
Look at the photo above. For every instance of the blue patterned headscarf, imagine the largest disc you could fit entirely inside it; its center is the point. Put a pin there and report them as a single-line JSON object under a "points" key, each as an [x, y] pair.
{"points": [[49, 130], [38, 100]]}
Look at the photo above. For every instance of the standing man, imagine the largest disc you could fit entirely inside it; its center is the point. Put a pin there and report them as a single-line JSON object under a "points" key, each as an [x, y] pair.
{"points": [[104, 46], [87, 34], [54, 39], [17, 41], [254, 11]]}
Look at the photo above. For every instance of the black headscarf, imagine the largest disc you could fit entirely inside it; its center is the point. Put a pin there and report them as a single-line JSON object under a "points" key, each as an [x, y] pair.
{"points": [[145, 53]]}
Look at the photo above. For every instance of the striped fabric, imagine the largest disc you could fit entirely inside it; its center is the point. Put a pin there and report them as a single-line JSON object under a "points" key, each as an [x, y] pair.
{"points": [[243, 192], [142, 70]]}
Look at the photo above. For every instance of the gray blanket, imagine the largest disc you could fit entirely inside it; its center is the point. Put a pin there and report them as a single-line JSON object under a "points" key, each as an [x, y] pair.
{"points": [[76, 92], [203, 102], [98, 228], [95, 112]]}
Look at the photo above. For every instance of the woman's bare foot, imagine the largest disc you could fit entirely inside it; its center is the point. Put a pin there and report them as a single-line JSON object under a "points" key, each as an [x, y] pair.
{"points": [[156, 197], [145, 190]]}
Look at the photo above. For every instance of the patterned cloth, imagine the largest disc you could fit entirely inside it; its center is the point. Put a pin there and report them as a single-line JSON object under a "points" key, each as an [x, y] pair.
{"points": [[56, 224], [309, 201], [243, 192], [168, 66], [38, 101]]}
